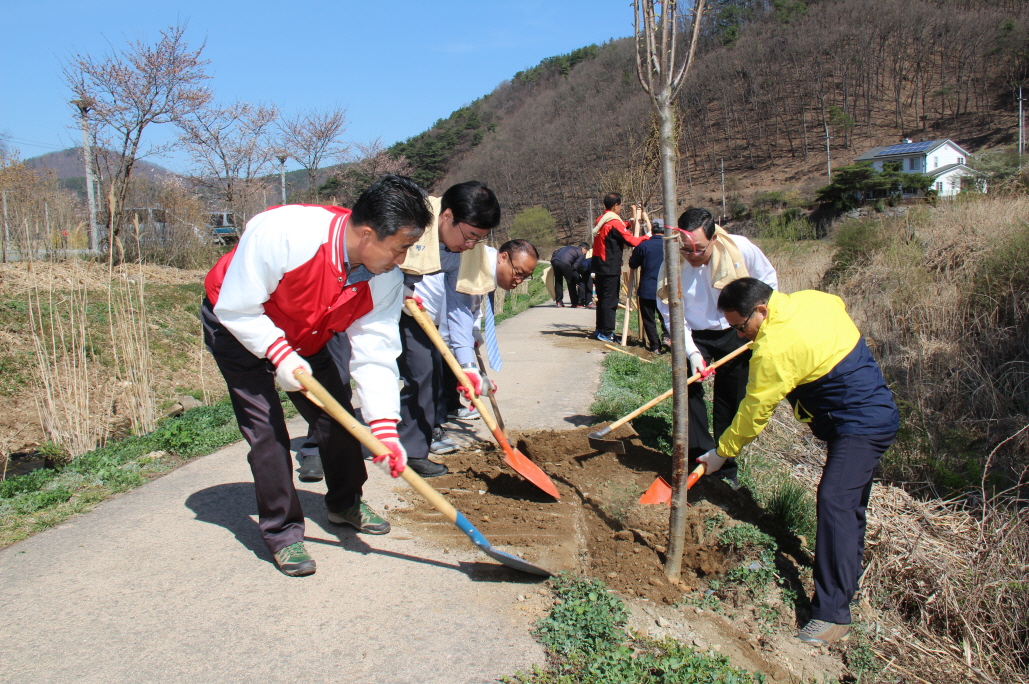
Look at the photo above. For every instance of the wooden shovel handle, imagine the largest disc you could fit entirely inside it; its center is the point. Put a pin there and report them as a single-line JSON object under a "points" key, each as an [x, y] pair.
{"points": [[430, 329], [693, 378], [321, 397]]}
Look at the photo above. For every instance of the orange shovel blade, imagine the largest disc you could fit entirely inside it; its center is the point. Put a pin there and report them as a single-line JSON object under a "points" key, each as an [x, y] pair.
{"points": [[524, 467], [657, 493]]}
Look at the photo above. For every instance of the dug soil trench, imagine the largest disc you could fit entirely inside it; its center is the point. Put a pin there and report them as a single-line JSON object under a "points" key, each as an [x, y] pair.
{"points": [[599, 529]]}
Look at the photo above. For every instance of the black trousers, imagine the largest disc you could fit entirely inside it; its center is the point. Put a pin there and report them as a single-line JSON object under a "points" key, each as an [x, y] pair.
{"points": [[842, 500], [564, 273], [339, 348], [730, 386], [607, 302], [255, 401], [421, 398], [649, 314], [585, 288]]}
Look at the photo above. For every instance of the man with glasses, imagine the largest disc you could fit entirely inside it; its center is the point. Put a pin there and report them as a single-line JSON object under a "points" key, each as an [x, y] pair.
{"points": [[465, 215], [712, 259], [808, 350]]}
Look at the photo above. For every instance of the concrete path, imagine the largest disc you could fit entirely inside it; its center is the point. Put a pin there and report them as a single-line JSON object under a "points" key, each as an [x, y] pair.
{"points": [[171, 582]]}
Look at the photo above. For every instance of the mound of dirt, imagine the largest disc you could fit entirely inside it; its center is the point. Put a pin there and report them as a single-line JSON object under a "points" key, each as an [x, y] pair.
{"points": [[597, 527]]}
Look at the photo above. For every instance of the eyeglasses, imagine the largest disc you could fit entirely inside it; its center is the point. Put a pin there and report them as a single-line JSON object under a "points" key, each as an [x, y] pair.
{"points": [[522, 277], [471, 240], [693, 244], [740, 328]]}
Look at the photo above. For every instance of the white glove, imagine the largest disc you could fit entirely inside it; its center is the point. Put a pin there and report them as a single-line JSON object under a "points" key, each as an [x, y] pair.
{"points": [[477, 336], [475, 378], [284, 372], [386, 432], [712, 460], [696, 362]]}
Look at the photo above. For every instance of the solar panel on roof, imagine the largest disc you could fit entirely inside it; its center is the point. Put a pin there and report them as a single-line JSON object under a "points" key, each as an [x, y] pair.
{"points": [[906, 148]]}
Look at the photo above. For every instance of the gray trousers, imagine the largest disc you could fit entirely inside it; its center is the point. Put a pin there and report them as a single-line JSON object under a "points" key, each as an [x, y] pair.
{"points": [[255, 401]]}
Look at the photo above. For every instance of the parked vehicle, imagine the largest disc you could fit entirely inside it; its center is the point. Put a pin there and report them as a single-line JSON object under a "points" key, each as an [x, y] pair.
{"points": [[223, 228]]}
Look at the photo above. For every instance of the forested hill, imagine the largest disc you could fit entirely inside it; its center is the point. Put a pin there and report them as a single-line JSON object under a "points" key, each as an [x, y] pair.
{"points": [[770, 77]]}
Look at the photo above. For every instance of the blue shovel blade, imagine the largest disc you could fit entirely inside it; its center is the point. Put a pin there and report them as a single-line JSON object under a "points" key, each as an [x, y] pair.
{"points": [[506, 558]]}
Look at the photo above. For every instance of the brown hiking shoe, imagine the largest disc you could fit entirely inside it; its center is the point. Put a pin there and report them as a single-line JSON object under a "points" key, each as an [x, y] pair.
{"points": [[822, 633]]}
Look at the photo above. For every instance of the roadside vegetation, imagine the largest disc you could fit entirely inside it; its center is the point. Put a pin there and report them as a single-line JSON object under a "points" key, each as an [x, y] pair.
{"points": [[587, 641]]}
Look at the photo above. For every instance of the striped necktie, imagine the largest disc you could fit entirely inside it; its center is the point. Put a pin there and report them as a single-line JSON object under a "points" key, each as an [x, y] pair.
{"points": [[489, 331]]}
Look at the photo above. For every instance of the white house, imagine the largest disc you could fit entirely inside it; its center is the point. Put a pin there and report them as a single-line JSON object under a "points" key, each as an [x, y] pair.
{"points": [[944, 160]]}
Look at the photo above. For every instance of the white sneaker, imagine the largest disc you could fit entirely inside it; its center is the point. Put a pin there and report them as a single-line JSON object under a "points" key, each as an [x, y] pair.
{"points": [[441, 444], [470, 413]]}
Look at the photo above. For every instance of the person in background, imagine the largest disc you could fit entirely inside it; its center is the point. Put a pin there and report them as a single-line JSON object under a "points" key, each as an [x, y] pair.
{"points": [[649, 256], [610, 235], [712, 259], [808, 351], [565, 262]]}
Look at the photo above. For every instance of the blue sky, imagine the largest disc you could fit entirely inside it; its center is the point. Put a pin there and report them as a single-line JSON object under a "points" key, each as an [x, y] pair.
{"points": [[397, 66]]}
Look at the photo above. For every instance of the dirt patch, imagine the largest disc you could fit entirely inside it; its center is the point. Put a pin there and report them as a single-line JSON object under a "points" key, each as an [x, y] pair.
{"points": [[597, 527]]}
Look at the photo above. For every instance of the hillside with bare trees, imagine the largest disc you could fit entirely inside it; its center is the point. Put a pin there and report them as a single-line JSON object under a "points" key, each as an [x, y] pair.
{"points": [[772, 82]]}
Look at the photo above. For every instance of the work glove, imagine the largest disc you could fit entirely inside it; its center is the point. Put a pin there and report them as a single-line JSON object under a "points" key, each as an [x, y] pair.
{"points": [[284, 372], [712, 461], [385, 430], [698, 365], [475, 378], [409, 294], [477, 336]]}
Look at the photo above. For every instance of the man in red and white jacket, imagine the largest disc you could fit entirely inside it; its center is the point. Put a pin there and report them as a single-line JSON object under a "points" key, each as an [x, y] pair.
{"points": [[299, 275]]}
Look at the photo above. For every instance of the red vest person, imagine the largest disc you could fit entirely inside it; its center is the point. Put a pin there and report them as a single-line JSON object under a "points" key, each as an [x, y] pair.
{"points": [[609, 236], [299, 275]]}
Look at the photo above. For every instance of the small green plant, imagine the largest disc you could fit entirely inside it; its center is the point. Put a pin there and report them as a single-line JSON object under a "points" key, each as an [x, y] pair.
{"points": [[585, 617], [585, 636], [714, 522], [745, 535]]}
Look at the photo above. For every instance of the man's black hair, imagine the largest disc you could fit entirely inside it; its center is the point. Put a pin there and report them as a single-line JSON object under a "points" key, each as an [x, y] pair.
{"points": [[584, 246], [657, 226], [612, 200], [473, 203], [390, 204], [694, 218], [513, 247], [743, 296]]}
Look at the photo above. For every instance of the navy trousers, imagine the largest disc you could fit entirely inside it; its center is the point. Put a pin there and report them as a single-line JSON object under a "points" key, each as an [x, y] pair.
{"points": [[255, 401], [842, 499], [422, 403]]}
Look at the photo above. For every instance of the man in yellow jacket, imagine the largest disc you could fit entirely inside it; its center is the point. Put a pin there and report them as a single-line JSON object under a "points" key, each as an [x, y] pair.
{"points": [[808, 350]]}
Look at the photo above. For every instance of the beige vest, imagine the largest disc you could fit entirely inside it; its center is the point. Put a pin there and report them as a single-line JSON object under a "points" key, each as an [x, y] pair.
{"points": [[474, 277]]}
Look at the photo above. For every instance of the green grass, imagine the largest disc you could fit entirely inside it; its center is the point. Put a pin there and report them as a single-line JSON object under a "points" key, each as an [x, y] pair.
{"points": [[626, 384], [46, 497], [515, 304], [585, 636]]}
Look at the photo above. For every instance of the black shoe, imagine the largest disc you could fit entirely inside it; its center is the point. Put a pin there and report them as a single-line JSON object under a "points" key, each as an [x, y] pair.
{"points": [[311, 470], [561, 305], [656, 350], [427, 468]]}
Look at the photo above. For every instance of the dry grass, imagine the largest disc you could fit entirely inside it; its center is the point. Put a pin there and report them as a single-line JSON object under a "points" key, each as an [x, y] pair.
{"points": [[949, 583]]}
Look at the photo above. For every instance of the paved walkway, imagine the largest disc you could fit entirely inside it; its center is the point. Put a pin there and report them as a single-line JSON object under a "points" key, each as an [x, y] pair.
{"points": [[171, 582]]}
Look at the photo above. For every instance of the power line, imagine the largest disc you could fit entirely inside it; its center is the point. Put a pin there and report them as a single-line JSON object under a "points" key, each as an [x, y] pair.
{"points": [[23, 141]]}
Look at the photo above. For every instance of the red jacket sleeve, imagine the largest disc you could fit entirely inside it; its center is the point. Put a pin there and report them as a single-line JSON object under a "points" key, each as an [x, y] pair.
{"points": [[624, 233]]}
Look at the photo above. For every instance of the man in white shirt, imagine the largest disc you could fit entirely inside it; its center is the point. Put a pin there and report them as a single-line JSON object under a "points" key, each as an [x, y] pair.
{"points": [[713, 259]]}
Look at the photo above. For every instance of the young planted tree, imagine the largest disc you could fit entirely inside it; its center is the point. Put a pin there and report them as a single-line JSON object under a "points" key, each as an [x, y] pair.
{"points": [[231, 149], [312, 138], [662, 68], [128, 91]]}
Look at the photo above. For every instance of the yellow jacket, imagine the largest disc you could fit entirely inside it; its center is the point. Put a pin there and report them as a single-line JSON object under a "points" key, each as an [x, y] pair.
{"points": [[809, 351]]}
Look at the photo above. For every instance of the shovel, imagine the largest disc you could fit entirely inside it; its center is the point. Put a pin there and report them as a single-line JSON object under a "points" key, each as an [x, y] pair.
{"points": [[617, 446], [320, 396], [514, 458], [489, 392], [661, 491]]}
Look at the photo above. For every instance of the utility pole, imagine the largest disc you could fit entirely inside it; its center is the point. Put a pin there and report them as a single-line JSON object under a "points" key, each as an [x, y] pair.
{"points": [[722, 162], [282, 157], [87, 154], [1021, 129], [589, 228], [7, 230]]}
